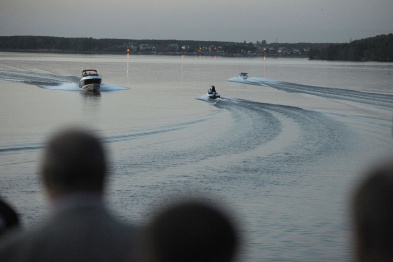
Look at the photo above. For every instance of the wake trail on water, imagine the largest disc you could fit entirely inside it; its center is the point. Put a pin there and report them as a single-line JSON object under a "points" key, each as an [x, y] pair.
{"points": [[375, 99], [211, 100], [243, 137], [50, 81]]}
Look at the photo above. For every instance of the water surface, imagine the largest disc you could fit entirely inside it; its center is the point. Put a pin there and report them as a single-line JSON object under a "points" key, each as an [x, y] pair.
{"points": [[282, 151]]}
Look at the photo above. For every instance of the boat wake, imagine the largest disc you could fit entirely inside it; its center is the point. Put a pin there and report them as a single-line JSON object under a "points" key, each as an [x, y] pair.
{"points": [[50, 81], [75, 87], [375, 99], [253, 139], [206, 98]]}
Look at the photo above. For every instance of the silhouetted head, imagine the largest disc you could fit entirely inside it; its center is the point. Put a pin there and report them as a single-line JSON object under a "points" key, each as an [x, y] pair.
{"points": [[191, 232], [373, 215], [74, 161]]}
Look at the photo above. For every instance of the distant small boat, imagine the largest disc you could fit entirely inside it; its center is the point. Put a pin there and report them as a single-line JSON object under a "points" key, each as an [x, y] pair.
{"points": [[244, 75], [90, 80]]}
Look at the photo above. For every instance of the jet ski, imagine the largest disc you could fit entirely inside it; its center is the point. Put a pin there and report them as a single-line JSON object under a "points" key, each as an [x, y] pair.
{"points": [[212, 93]]}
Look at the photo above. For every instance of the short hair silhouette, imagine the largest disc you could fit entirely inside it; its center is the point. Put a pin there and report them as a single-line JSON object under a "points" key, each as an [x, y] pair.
{"points": [[80, 227], [74, 161], [373, 215], [191, 231]]}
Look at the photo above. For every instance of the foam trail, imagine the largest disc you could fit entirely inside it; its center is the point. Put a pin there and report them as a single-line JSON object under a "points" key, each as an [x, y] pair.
{"points": [[50, 81], [64, 87], [204, 98], [375, 99], [222, 98], [75, 87], [108, 88], [253, 81]]}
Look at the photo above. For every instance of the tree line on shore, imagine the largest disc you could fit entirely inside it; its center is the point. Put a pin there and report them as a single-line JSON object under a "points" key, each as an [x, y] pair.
{"points": [[378, 48], [119, 46], [90, 45]]}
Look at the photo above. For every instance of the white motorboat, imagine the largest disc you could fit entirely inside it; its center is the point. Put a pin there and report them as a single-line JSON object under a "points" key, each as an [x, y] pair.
{"points": [[212, 93], [244, 75], [90, 80]]}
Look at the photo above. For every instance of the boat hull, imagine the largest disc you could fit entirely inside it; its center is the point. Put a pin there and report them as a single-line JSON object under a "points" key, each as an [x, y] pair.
{"points": [[90, 83], [91, 87]]}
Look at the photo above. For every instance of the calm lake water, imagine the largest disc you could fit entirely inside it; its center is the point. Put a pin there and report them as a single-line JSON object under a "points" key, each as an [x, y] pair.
{"points": [[282, 151]]}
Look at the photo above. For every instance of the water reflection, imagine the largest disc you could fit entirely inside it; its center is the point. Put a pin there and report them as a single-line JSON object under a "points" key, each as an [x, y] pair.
{"points": [[128, 65], [181, 69], [91, 102], [91, 96]]}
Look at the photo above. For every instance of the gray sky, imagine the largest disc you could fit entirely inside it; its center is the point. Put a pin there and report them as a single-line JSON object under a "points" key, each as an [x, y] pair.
{"points": [[288, 21]]}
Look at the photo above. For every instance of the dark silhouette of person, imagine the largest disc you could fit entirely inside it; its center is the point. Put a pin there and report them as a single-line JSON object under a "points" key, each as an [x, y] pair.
{"points": [[9, 219], [213, 89], [372, 214], [80, 228], [190, 231]]}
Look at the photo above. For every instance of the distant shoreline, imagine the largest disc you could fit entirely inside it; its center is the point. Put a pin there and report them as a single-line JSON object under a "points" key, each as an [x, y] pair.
{"points": [[46, 44], [49, 51], [378, 48]]}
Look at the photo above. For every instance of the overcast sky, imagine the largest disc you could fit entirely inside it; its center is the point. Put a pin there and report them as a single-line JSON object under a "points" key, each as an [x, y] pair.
{"points": [[284, 21]]}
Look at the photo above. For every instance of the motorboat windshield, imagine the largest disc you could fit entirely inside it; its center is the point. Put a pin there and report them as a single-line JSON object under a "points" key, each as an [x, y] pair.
{"points": [[89, 72], [244, 75]]}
